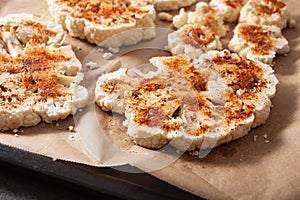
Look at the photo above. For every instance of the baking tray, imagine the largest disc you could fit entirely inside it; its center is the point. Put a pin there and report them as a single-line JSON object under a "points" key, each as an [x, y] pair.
{"points": [[103, 181]]}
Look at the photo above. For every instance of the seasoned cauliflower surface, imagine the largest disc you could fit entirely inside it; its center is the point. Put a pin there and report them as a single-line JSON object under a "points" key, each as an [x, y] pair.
{"points": [[229, 8], [217, 98], [110, 89], [266, 12], [203, 15], [193, 40], [168, 4], [37, 80], [17, 30], [258, 42], [107, 23]]}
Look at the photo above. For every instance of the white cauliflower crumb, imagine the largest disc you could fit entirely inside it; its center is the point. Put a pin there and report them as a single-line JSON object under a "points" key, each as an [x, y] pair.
{"points": [[15, 130], [267, 141], [164, 16], [265, 136], [71, 137], [71, 128], [91, 65], [16, 135], [107, 56], [255, 137]]}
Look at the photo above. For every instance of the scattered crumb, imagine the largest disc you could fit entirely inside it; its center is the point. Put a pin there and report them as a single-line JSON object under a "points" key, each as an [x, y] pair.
{"points": [[267, 141], [79, 48], [80, 110], [72, 137], [100, 49], [15, 130], [114, 50], [164, 16], [265, 136], [16, 135], [107, 56], [91, 65], [241, 159], [255, 138], [53, 159], [71, 128], [272, 106], [22, 131], [57, 124]]}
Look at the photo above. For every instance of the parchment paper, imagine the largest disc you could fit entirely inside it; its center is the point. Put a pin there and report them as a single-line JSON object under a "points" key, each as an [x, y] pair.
{"points": [[242, 169]]}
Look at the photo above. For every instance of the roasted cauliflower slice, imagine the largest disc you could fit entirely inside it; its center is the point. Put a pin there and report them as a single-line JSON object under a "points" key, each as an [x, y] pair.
{"points": [[106, 23], [217, 98], [258, 42], [38, 80]]}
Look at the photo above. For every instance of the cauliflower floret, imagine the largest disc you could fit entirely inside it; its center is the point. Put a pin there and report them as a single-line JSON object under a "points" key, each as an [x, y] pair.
{"points": [[266, 12], [203, 15], [193, 40], [230, 9], [258, 42], [180, 19]]}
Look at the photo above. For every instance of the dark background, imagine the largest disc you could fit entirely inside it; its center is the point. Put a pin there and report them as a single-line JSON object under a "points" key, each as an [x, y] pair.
{"points": [[25, 175]]}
